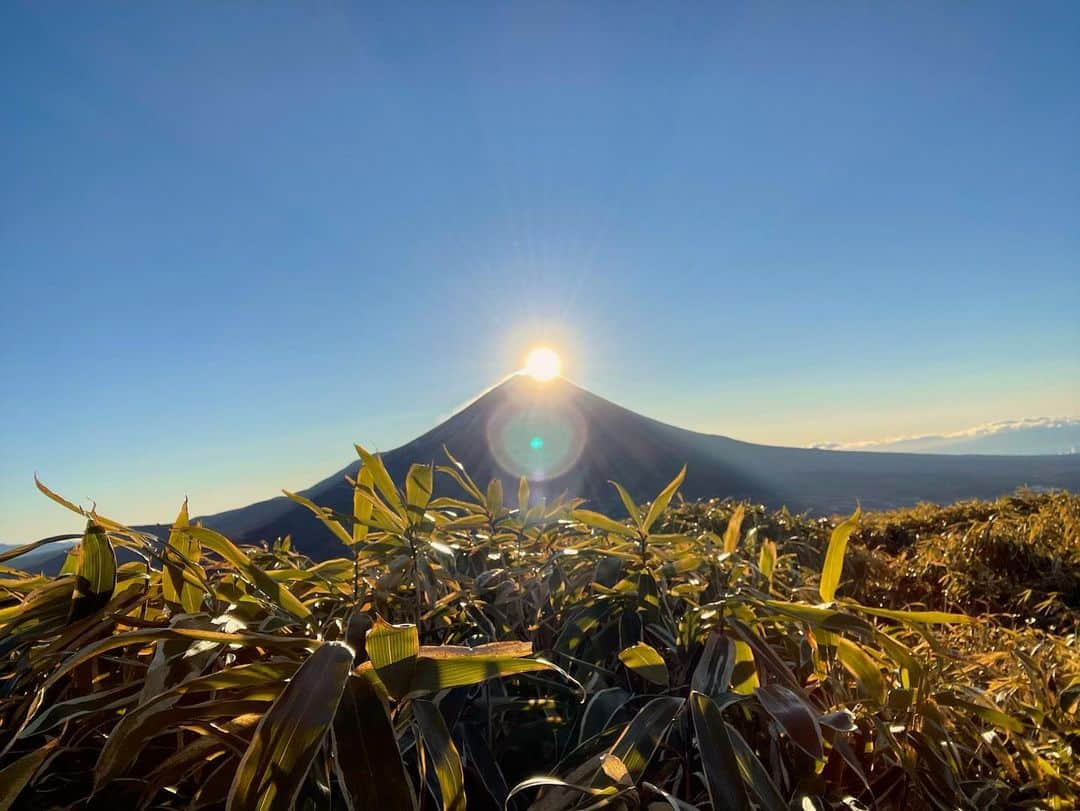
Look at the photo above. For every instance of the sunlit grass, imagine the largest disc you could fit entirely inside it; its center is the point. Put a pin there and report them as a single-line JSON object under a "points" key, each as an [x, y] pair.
{"points": [[482, 646]]}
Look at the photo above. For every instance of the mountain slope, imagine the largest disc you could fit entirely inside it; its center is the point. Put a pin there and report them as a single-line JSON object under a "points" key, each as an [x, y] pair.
{"points": [[567, 439]]}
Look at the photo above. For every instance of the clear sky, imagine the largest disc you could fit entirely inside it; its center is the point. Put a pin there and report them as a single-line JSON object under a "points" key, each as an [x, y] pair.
{"points": [[235, 238]]}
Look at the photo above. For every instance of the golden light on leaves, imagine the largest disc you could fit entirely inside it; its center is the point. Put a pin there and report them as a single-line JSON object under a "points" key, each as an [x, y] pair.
{"points": [[297, 705], [543, 363]]}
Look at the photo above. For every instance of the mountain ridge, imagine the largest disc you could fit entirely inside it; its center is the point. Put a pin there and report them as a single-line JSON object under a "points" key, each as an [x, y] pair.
{"points": [[565, 438]]}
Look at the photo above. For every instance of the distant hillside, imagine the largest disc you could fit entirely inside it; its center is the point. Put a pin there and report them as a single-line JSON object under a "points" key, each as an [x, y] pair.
{"points": [[46, 559], [564, 438], [1036, 435]]}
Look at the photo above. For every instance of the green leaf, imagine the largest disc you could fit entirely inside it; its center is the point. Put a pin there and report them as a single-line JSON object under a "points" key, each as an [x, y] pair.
{"points": [[602, 522], [484, 764], [644, 660], [91, 651], [607, 791], [632, 508], [100, 520], [197, 753], [71, 562], [167, 716], [287, 739], [95, 649], [725, 783], [11, 554], [495, 496], [437, 669], [672, 801], [362, 507], [830, 619], [1069, 697], [767, 560], [864, 669], [840, 720], [712, 675], [474, 521], [275, 592], [661, 502], [58, 713], [795, 717], [523, 496], [457, 472], [382, 516], [15, 776], [406, 668], [367, 760], [744, 677], [734, 527], [755, 774], [393, 650], [443, 754], [383, 483], [254, 685], [909, 665], [682, 565], [418, 484], [95, 576], [914, 617], [47, 605], [834, 556], [988, 714], [324, 514], [184, 553], [636, 745], [765, 657]]}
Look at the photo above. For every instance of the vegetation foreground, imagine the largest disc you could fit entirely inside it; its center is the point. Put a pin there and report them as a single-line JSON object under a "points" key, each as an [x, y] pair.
{"points": [[708, 655]]}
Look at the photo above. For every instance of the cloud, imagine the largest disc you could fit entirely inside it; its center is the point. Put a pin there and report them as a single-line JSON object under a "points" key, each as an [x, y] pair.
{"points": [[1048, 435]]}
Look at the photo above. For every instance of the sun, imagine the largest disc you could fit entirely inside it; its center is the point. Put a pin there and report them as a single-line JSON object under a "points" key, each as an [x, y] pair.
{"points": [[543, 363]]}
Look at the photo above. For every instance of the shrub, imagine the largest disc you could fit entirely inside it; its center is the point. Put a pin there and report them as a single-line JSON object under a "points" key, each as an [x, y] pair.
{"points": [[515, 652]]}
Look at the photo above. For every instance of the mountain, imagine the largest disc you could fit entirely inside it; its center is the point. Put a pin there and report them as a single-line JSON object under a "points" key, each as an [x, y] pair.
{"points": [[564, 438], [1034, 435], [45, 559]]}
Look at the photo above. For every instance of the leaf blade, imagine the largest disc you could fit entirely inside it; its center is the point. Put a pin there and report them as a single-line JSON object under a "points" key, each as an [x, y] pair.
{"points": [[644, 660], [834, 556], [273, 768], [95, 575], [367, 759], [441, 749], [660, 503], [724, 781]]}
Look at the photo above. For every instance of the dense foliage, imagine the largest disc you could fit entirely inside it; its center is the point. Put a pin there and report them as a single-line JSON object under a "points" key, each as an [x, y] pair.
{"points": [[519, 654]]}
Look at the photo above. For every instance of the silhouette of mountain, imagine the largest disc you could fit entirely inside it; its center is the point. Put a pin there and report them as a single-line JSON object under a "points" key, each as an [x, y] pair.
{"points": [[47, 560], [566, 439]]}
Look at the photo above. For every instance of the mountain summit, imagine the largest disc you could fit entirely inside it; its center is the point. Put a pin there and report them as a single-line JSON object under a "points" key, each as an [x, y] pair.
{"points": [[566, 439]]}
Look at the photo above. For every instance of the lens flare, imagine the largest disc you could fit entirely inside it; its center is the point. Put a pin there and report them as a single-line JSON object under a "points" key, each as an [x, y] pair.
{"points": [[536, 432], [543, 363]]}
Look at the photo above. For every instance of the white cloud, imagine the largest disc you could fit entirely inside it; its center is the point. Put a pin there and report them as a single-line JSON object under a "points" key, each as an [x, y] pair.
{"points": [[1067, 429]]}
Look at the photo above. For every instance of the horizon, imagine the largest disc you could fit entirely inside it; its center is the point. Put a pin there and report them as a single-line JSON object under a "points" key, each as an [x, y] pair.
{"points": [[224, 265], [74, 524]]}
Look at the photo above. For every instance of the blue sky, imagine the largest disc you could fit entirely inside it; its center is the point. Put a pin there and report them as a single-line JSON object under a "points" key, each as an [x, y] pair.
{"points": [[236, 238]]}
